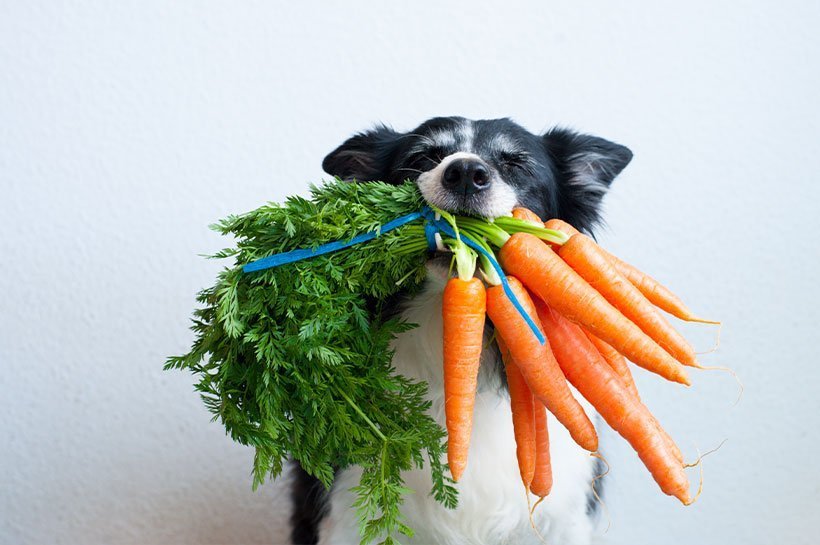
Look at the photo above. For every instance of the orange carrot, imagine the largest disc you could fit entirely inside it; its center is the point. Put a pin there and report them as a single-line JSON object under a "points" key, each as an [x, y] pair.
{"points": [[667, 439], [537, 363], [586, 369], [548, 276], [463, 309], [560, 225], [617, 362], [523, 405], [542, 479], [527, 214], [585, 257], [658, 294]]}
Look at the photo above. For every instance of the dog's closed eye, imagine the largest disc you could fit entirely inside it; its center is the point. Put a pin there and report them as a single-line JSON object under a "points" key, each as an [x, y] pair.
{"points": [[517, 160]]}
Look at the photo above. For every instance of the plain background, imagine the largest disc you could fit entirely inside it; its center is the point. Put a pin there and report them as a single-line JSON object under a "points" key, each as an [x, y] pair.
{"points": [[127, 127]]}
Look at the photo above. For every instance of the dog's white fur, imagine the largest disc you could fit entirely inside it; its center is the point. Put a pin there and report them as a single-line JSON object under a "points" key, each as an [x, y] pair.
{"points": [[499, 198], [493, 507]]}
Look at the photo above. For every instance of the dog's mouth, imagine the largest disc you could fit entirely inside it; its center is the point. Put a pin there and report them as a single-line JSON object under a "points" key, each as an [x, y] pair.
{"points": [[465, 205], [497, 201]]}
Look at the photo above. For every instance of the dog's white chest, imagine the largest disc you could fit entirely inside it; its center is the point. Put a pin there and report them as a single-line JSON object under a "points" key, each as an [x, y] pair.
{"points": [[493, 503]]}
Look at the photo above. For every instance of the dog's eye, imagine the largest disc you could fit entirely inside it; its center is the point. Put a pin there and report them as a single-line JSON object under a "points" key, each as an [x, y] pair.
{"points": [[515, 159], [429, 156], [438, 153]]}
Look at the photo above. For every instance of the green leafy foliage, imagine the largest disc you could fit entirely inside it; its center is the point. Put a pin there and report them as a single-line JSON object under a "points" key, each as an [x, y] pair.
{"points": [[296, 360]]}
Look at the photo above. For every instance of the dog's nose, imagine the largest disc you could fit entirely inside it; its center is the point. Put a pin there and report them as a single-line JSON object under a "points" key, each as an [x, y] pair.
{"points": [[466, 176]]}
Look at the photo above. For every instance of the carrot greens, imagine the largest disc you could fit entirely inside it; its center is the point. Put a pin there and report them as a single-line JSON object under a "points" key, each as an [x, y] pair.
{"points": [[295, 360]]}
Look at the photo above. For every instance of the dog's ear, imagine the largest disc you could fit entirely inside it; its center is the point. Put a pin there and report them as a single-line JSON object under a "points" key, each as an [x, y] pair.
{"points": [[586, 166], [366, 156]]}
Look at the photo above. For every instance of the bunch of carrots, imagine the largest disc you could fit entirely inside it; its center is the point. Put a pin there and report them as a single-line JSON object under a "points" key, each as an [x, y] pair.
{"points": [[593, 312]]}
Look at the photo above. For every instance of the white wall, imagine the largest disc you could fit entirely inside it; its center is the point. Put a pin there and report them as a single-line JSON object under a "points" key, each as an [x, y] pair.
{"points": [[126, 127]]}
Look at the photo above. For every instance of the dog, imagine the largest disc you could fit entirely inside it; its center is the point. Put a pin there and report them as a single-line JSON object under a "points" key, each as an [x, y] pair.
{"points": [[483, 168]]}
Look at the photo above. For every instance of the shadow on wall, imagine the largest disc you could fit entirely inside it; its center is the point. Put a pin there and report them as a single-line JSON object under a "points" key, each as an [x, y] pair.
{"points": [[201, 514], [213, 511]]}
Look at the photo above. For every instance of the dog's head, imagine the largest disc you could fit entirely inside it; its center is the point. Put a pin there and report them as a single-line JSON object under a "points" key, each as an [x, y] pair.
{"points": [[487, 167]]}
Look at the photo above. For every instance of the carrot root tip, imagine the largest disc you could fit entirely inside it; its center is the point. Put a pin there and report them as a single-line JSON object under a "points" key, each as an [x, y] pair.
{"points": [[732, 372], [604, 508], [532, 517], [703, 321], [536, 504], [704, 455], [689, 501], [717, 342]]}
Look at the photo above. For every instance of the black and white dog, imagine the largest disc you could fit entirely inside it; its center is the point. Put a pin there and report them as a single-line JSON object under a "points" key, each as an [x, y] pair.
{"points": [[482, 168]]}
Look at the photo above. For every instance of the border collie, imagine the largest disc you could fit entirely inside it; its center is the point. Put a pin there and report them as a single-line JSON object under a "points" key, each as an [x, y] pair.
{"points": [[482, 168]]}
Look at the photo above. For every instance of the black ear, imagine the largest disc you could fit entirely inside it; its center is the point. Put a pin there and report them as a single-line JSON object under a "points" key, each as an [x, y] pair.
{"points": [[586, 166], [366, 156]]}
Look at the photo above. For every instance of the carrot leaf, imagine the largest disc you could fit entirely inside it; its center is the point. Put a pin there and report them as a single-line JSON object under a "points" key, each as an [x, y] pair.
{"points": [[296, 361]]}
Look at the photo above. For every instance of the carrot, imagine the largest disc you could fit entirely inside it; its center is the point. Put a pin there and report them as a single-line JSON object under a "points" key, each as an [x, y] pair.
{"points": [[548, 276], [585, 257], [667, 439], [537, 363], [523, 405], [658, 294], [527, 214], [463, 311], [542, 479], [561, 225], [586, 369], [616, 362]]}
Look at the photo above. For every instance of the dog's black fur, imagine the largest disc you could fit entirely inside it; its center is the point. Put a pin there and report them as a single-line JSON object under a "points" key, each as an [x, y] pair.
{"points": [[560, 174], [567, 179]]}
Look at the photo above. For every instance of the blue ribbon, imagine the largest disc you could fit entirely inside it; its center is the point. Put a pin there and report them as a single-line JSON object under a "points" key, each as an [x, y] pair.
{"points": [[447, 229], [432, 225], [284, 258], [430, 233]]}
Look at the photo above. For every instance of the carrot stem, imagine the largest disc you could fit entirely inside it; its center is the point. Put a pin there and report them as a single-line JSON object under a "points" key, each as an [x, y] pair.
{"points": [[449, 218], [487, 269], [364, 416], [493, 233], [463, 256], [515, 225]]}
